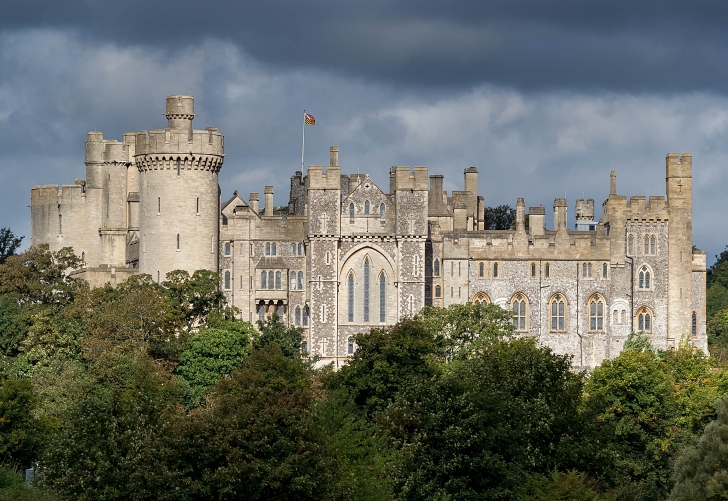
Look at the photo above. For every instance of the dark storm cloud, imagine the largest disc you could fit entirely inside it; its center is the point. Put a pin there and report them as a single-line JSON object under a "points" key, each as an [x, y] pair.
{"points": [[618, 45]]}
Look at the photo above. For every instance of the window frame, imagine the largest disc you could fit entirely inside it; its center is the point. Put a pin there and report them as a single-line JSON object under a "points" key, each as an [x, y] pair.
{"points": [[595, 317], [557, 319], [520, 315]]}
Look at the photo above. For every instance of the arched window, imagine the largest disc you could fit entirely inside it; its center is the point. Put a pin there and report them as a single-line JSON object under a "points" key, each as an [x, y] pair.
{"points": [[630, 245], [644, 281], [179, 166], [367, 266], [533, 270], [495, 270], [615, 317], [382, 210], [300, 280], [227, 280], [261, 312], [694, 325], [278, 279], [263, 280], [481, 298], [481, 270], [596, 313], [273, 249], [647, 244], [427, 291], [270, 280], [293, 249], [293, 280], [604, 270], [428, 267], [519, 306], [279, 311], [350, 346], [437, 267], [438, 291], [366, 207], [60, 224], [351, 211], [305, 316], [382, 298], [350, 297], [301, 250], [653, 245], [548, 270], [558, 313], [267, 249], [644, 319]]}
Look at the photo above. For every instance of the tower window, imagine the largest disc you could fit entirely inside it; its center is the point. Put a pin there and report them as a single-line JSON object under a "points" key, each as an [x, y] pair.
{"points": [[293, 281], [298, 315], [548, 270], [278, 280], [178, 241], [644, 320], [351, 212], [366, 289], [267, 249], [694, 325], [350, 297], [382, 210], [270, 280], [558, 316], [366, 207], [179, 167], [644, 277], [630, 245], [261, 312], [301, 250], [382, 298], [519, 305], [273, 249], [60, 224], [227, 248], [437, 267], [159, 205], [227, 280], [596, 313], [481, 270], [300, 280], [438, 291], [158, 276], [279, 311], [305, 316], [427, 291]]}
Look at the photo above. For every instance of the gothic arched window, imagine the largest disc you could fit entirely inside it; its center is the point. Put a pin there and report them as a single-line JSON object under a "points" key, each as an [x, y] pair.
{"points": [[382, 298], [270, 280], [351, 211], [293, 249], [300, 280], [227, 280], [519, 306], [267, 249], [305, 316], [647, 245], [596, 313], [644, 281], [495, 270], [263, 280], [298, 315], [630, 245], [437, 267], [427, 291], [382, 210], [367, 266], [428, 267], [301, 250], [481, 298], [261, 312], [558, 313], [644, 319], [350, 297], [278, 279], [366, 207], [273, 249], [438, 291], [293, 280], [350, 346]]}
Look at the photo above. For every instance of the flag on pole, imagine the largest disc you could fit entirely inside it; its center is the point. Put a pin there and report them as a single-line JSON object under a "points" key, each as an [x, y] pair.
{"points": [[308, 119]]}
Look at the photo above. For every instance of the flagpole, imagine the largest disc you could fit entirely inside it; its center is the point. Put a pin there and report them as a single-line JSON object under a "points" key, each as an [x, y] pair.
{"points": [[303, 138]]}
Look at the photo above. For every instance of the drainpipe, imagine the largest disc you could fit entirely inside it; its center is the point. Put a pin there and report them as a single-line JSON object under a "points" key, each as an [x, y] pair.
{"points": [[581, 338], [631, 298]]}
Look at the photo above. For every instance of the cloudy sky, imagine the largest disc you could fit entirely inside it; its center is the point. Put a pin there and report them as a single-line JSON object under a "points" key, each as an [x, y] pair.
{"points": [[545, 98]]}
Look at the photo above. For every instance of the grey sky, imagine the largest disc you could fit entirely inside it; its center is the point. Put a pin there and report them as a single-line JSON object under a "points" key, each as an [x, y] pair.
{"points": [[544, 97]]}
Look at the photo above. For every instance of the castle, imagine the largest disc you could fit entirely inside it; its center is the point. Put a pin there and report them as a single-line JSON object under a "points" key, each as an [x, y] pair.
{"points": [[344, 255]]}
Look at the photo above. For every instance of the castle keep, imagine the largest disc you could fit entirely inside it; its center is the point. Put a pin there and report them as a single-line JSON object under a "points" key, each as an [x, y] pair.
{"points": [[345, 255]]}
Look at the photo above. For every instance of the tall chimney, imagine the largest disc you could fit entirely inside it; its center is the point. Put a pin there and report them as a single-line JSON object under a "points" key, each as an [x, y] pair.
{"points": [[268, 200], [612, 183], [254, 198], [334, 156]]}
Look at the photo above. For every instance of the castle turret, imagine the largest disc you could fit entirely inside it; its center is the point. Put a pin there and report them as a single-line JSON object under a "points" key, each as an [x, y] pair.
{"points": [[179, 193]]}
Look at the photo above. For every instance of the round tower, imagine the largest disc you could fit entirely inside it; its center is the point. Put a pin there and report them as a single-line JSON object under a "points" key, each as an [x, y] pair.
{"points": [[179, 193]]}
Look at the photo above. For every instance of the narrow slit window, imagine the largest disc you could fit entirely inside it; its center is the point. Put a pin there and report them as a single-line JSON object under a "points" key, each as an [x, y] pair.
{"points": [[159, 205], [179, 167], [278, 280], [263, 280], [604, 270], [533, 270], [300, 280], [481, 270], [548, 270], [198, 205], [495, 270], [367, 266], [382, 298], [60, 224], [227, 280], [178, 241], [351, 211], [366, 207], [298, 315], [382, 210], [350, 297], [437, 267], [270, 280]]}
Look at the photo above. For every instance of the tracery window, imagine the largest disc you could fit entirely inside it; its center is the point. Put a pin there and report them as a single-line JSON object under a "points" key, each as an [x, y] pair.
{"points": [[558, 313], [644, 280], [519, 306], [270, 280], [650, 245], [367, 266], [437, 268], [382, 298], [481, 298], [350, 297], [596, 313], [644, 319]]}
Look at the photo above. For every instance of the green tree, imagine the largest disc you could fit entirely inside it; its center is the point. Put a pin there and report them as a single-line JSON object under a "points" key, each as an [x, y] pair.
{"points": [[196, 296], [21, 433], [476, 430], [212, 354], [502, 217], [274, 332], [40, 277], [111, 445], [638, 342], [558, 486], [457, 327], [255, 439], [701, 473], [384, 360], [9, 243], [15, 321]]}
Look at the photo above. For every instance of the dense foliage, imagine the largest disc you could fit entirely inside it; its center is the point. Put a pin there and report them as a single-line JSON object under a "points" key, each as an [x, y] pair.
{"points": [[158, 391]]}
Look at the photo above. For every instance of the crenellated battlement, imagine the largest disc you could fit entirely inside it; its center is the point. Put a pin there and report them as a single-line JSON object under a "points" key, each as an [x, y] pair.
{"points": [[403, 179], [109, 151], [320, 180]]}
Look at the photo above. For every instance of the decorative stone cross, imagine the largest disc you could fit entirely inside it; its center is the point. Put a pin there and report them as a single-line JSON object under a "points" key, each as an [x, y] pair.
{"points": [[322, 221]]}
